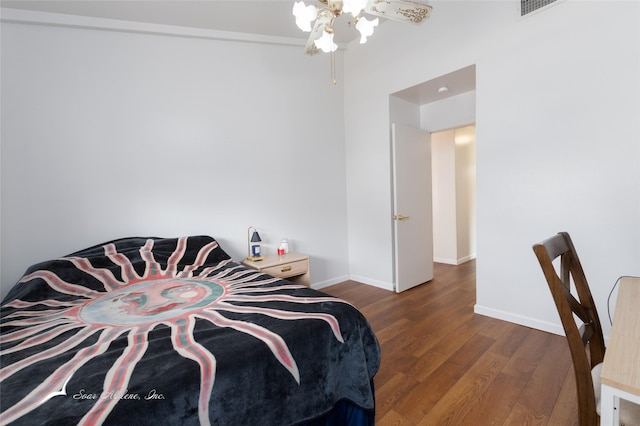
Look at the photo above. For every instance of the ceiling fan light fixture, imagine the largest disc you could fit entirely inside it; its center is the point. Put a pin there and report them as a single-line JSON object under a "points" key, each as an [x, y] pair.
{"points": [[304, 15], [354, 7], [325, 43], [365, 27], [318, 20]]}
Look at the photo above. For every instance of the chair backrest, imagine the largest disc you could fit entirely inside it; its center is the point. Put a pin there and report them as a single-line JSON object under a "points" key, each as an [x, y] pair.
{"points": [[586, 342]]}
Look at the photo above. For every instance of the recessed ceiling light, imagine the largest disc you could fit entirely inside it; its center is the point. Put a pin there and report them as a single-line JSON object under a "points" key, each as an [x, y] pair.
{"points": [[443, 89]]}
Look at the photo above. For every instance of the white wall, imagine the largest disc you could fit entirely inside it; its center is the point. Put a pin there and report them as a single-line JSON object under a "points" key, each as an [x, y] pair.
{"points": [[443, 163], [558, 140], [448, 113], [454, 192], [465, 170], [107, 134]]}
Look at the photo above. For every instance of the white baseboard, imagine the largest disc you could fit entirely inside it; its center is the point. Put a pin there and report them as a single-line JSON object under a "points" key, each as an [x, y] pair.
{"points": [[525, 321], [445, 261], [327, 283], [455, 262], [374, 283], [519, 319], [363, 280], [466, 259]]}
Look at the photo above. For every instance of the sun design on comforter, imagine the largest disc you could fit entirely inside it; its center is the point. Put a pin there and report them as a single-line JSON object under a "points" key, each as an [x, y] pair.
{"points": [[134, 305]]}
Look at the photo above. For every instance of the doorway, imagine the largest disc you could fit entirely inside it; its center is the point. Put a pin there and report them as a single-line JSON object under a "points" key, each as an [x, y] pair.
{"points": [[440, 104]]}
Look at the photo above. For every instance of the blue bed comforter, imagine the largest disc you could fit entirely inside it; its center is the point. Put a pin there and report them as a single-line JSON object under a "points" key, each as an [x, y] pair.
{"points": [[173, 331]]}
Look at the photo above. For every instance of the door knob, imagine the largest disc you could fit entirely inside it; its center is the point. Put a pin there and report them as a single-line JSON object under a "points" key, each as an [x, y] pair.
{"points": [[400, 217]]}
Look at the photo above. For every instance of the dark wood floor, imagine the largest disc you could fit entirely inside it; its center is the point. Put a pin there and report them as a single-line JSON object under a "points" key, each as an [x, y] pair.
{"points": [[444, 365]]}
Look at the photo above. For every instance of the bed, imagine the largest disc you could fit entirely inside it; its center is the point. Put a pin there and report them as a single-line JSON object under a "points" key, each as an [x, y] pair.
{"points": [[173, 331]]}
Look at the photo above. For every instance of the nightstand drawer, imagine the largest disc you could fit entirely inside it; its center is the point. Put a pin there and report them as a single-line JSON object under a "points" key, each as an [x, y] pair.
{"points": [[288, 269]]}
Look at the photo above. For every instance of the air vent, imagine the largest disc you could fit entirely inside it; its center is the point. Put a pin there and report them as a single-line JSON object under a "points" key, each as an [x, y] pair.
{"points": [[528, 6]]}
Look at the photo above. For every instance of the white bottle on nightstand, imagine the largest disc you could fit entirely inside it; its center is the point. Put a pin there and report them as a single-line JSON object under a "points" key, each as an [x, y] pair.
{"points": [[284, 243]]}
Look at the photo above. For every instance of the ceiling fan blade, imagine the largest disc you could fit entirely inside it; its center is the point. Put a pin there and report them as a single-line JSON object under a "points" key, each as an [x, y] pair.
{"points": [[399, 10], [316, 32]]}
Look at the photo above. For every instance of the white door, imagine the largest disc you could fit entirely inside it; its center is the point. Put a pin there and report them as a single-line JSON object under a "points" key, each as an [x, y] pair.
{"points": [[412, 213]]}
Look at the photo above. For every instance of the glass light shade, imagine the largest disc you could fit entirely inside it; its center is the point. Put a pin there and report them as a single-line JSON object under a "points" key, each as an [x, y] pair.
{"points": [[325, 43], [366, 28], [353, 7], [304, 15]]}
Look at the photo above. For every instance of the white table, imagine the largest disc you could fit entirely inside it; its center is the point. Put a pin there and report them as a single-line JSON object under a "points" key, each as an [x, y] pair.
{"points": [[621, 370]]}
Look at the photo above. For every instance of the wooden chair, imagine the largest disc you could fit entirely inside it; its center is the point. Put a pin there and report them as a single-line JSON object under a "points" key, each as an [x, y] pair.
{"points": [[586, 342]]}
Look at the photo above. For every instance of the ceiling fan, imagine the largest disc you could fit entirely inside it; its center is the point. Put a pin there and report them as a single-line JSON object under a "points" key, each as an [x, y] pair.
{"points": [[321, 38]]}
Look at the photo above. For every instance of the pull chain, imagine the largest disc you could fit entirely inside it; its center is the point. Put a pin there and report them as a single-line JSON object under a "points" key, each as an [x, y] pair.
{"points": [[333, 67]]}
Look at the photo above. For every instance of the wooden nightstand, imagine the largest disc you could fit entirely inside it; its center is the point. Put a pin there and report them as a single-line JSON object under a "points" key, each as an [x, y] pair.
{"points": [[291, 266]]}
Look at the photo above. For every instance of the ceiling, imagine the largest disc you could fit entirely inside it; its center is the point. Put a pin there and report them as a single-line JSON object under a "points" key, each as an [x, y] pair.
{"points": [[455, 83], [262, 17]]}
